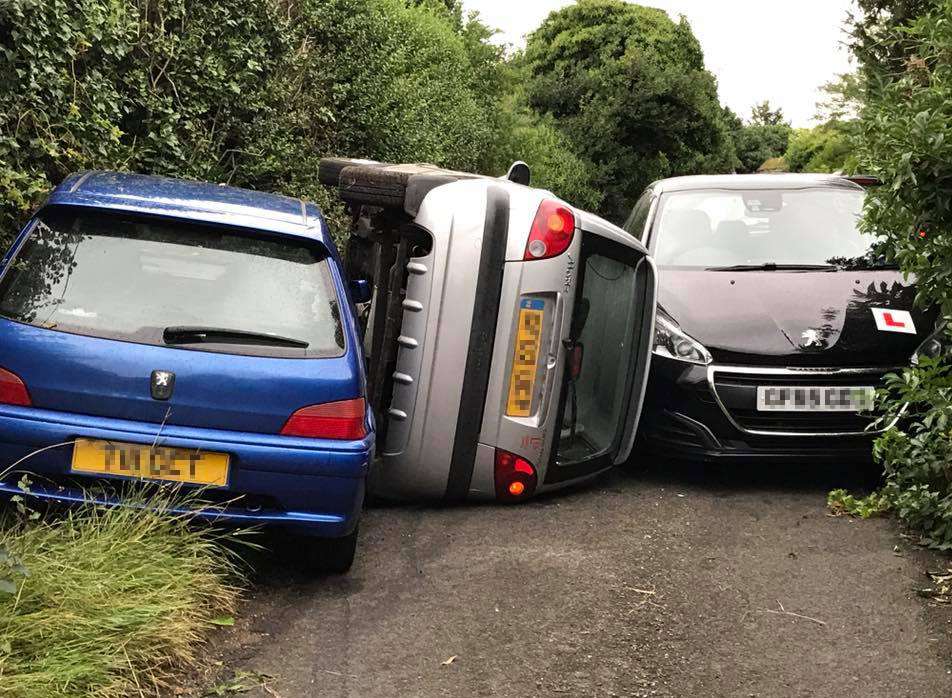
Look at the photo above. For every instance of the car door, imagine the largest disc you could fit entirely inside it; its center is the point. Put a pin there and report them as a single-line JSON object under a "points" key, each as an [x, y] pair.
{"points": [[606, 367]]}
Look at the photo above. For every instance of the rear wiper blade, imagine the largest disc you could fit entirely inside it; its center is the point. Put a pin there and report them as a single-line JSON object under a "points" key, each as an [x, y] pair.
{"points": [[188, 334], [772, 266]]}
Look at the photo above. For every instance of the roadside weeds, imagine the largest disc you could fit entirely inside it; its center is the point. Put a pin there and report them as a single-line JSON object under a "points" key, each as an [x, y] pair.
{"points": [[109, 602]]}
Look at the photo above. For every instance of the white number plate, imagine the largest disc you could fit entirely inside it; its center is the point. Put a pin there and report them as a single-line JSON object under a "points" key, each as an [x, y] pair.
{"points": [[820, 399]]}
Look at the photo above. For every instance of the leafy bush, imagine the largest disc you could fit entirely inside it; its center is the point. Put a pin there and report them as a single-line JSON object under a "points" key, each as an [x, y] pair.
{"points": [[917, 453], [524, 135], [165, 87], [756, 144], [906, 139], [842, 502], [823, 148], [107, 602], [241, 91]]}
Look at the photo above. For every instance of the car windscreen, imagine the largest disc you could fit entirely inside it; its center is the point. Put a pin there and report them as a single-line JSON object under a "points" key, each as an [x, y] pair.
{"points": [[174, 283], [812, 227]]}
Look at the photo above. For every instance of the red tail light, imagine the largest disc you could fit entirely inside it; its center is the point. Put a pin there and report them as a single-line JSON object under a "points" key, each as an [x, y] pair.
{"points": [[552, 231], [344, 421], [515, 477], [13, 390]]}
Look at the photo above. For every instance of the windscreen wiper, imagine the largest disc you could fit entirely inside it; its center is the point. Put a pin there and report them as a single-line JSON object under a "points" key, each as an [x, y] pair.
{"points": [[773, 266], [187, 334]]}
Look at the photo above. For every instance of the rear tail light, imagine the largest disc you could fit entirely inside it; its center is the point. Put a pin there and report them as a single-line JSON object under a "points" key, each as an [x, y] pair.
{"points": [[552, 231], [13, 390], [344, 420], [515, 477]]}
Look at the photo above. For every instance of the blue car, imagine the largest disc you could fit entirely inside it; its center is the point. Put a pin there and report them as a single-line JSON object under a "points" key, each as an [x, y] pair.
{"points": [[193, 333]]}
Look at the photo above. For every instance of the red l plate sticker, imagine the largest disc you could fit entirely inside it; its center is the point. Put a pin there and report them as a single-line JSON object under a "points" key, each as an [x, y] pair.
{"points": [[889, 320]]}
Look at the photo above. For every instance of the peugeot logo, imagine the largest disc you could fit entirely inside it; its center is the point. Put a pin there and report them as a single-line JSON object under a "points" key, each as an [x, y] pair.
{"points": [[163, 383], [811, 338]]}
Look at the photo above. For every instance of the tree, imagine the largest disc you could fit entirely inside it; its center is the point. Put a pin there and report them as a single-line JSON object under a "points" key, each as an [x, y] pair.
{"points": [[757, 143], [842, 100], [831, 145], [764, 138], [762, 115], [452, 9], [628, 87]]}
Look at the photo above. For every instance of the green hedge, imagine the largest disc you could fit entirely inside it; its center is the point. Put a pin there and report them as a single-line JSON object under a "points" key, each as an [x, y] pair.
{"points": [[249, 92], [906, 139]]}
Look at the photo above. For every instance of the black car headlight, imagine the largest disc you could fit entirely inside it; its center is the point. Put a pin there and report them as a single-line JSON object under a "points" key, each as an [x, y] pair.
{"points": [[671, 342], [936, 345]]}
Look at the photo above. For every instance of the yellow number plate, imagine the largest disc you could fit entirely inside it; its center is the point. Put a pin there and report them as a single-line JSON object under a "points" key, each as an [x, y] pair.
{"points": [[525, 360], [138, 461]]}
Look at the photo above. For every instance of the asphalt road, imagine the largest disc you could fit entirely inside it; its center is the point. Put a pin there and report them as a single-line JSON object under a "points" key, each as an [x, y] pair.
{"points": [[678, 581]]}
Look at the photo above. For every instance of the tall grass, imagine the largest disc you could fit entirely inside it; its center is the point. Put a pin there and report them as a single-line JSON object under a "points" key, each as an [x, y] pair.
{"points": [[115, 601]]}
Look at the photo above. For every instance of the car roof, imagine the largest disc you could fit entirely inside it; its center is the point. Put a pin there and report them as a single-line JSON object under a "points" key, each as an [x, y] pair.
{"points": [[192, 200], [754, 181]]}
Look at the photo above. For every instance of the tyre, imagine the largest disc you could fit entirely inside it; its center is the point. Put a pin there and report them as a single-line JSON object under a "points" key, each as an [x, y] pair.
{"points": [[329, 555], [373, 186], [330, 168]]}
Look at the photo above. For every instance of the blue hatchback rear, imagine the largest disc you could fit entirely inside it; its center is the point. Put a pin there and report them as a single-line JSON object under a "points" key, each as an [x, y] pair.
{"points": [[189, 332]]}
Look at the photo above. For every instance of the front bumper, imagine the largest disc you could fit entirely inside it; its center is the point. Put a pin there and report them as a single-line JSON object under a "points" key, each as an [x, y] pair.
{"points": [[314, 487], [690, 413]]}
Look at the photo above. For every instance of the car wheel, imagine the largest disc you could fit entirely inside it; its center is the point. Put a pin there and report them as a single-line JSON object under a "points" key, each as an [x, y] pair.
{"points": [[329, 170], [330, 555], [373, 186]]}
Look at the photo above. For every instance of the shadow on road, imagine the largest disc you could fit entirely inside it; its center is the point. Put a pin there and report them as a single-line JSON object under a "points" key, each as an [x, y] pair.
{"points": [[775, 476]]}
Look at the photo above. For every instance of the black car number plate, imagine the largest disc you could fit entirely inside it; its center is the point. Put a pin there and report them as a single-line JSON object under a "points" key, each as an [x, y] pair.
{"points": [[814, 399]]}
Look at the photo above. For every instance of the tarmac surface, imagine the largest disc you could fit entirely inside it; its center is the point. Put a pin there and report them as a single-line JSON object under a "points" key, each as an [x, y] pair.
{"points": [[677, 580]]}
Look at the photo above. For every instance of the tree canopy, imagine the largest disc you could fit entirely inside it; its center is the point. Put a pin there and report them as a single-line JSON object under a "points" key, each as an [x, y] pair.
{"points": [[628, 87], [762, 115], [607, 96], [251, 94]]}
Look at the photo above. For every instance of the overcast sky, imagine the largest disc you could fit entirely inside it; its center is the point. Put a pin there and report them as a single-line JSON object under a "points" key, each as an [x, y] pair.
{"points": [[781, 50]]}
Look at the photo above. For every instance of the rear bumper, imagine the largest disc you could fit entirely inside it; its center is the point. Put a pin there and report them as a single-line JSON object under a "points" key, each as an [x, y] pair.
{"points": [[313, 486], [684, 419]]}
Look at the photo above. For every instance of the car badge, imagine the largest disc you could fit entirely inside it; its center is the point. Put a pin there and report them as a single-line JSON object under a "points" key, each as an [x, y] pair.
{"points": [[811, 338], [889, 320], [163, 383]]}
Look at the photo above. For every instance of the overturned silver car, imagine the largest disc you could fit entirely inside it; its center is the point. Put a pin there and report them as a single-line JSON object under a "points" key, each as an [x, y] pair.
{"points": [[508, 334]]}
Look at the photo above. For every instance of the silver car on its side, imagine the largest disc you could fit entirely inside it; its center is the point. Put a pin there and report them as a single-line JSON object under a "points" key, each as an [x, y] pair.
{"points": [[509, 332]]}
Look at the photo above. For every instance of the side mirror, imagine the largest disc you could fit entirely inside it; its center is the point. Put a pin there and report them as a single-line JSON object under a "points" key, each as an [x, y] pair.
{"points": [[519, 173], [361, 291]]}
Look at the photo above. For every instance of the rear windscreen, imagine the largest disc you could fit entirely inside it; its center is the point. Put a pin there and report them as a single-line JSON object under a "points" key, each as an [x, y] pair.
{"points": [[174, 283]]}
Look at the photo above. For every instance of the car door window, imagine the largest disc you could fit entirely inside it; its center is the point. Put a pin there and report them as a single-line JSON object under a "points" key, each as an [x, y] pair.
{"points": [[638, 219], [602, 356]]}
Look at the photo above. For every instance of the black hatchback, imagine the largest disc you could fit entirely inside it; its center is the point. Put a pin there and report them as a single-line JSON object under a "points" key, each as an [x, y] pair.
{"points": [[776, 318]]}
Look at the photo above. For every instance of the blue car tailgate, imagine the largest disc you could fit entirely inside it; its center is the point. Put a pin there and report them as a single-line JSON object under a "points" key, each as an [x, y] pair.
{"points": [[89, 375]]}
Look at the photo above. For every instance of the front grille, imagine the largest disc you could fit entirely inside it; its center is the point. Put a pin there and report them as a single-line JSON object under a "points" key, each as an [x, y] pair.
{"points": [[736, 392], [801, 422]]}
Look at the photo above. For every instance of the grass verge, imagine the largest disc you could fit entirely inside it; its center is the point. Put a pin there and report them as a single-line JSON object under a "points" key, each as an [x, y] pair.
{"points": [[108, 602]]}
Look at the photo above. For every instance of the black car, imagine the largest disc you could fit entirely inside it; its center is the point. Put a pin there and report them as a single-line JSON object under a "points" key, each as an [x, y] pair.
{"points": [[776, 318]]}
